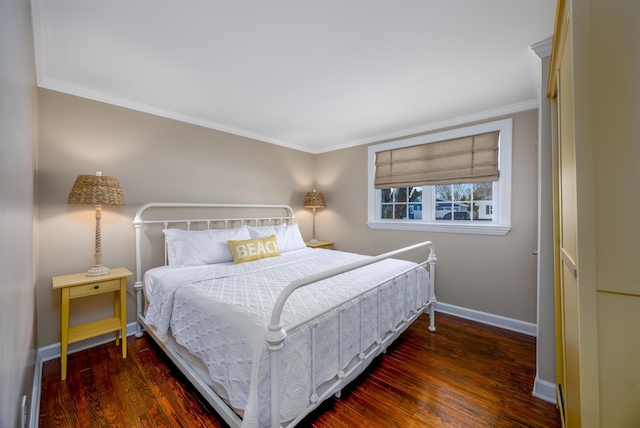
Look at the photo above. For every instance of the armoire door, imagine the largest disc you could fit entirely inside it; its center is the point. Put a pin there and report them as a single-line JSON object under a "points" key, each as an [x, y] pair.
{"points": [[566, 235]]}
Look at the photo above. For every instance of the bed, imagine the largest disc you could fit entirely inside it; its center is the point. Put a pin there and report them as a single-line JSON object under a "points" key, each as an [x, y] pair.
{"points": [[265, 328]]}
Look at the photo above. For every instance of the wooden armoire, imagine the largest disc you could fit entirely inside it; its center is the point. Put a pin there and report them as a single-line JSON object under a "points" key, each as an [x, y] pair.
{"points": [[594, 84]]}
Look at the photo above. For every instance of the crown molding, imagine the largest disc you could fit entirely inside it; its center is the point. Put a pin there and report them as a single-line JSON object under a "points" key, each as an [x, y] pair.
{"points": [[543, 49], [457, 121]]}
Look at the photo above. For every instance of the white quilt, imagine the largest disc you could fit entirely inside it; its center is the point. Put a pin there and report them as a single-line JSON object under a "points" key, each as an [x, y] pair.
{"points": [[221, 312]]}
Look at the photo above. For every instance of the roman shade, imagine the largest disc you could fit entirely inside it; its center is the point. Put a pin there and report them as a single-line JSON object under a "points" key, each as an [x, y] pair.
{"points": [[471, 159]]}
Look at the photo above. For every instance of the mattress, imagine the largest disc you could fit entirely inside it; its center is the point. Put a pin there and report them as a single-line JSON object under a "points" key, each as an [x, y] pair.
{"points": [[220, 313]]}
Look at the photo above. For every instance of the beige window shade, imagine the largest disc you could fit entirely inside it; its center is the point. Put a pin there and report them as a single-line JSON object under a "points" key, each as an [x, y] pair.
{"points": [[470, 159]]}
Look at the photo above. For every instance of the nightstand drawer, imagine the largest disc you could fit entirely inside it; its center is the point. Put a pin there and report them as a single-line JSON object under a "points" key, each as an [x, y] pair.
{"points": [[94, 288]]}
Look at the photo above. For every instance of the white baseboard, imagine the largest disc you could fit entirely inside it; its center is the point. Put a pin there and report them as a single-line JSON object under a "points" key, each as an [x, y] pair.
{"points": [[523, 327], [544, 390], [34, 408]]}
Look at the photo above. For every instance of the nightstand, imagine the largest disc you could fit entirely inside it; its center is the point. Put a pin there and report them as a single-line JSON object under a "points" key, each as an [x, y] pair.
{"points": [[80, 285], [321, 244]]}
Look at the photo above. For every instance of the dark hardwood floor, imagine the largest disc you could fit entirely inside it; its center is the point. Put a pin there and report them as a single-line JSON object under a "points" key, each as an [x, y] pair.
{"points": [[465, 374]]}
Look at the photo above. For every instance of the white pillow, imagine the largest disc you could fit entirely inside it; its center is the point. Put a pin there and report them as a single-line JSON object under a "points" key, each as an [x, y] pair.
{"points": [[289, 237], [202, 247]]}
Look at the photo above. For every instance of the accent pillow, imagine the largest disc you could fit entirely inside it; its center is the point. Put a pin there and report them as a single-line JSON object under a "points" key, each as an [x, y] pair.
{"points": [[202, 247], [289, 237], [254, 249]]}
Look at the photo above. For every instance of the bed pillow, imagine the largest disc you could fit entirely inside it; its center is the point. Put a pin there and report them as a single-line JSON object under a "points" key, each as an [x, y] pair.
{"points": [[202, 247], [253, 249], [289, 237]]}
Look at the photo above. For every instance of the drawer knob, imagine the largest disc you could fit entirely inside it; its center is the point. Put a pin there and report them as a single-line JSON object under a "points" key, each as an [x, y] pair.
{"points": [[95, 287]]}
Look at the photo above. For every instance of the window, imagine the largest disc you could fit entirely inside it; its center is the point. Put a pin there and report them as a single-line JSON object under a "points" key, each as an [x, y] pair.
{"points": [[477, 207]]}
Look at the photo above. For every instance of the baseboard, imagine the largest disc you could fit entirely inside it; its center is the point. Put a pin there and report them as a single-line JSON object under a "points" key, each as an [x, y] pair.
{"points": [[34, 408], [523, 327], [544, 390]]}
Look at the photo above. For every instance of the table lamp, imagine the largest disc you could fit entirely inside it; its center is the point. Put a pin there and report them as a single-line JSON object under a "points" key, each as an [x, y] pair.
{"points": [[96, 190], [314, 200]]}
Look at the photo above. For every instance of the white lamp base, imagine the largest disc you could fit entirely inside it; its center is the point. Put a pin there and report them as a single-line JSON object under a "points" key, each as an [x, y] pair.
{"points": [[98, 270], [314, 241]]}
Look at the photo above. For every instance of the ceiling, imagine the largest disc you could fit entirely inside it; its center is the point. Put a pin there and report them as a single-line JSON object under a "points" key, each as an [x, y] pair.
{"points": [[311, 75]]}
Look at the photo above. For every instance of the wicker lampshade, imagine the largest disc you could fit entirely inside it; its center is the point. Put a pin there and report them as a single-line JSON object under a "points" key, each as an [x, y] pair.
{"points": [[314, 200], [96, 190]]}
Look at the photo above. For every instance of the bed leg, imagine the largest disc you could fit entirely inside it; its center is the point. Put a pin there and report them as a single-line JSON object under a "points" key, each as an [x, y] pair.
{"points": [[432, 293], [432, 317], [338, 394], [138, 288]]}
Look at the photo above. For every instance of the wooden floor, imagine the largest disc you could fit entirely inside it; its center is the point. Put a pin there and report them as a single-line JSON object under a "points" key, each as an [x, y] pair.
{"points": [[464, 375]]}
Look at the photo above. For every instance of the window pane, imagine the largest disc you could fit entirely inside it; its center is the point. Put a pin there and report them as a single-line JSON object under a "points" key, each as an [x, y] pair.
{"points": [[463, 207], [442, 208], [387, 211], [482, 191], [462, 192], [443, 192], [387, 195], [401, 195], [415, 194], [483, 210], [415, 212]]}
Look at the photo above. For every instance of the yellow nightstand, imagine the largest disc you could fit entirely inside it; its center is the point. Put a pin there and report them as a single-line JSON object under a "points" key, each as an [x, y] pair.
{"points": [[80, 285], [321, 244]]}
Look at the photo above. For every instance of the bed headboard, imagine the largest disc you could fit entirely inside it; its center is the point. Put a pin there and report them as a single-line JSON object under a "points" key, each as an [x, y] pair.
{"points": [[199, 216]]}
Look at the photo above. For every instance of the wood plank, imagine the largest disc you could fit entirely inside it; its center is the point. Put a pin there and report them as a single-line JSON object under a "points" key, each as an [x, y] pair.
{"points": [[465, 374]]}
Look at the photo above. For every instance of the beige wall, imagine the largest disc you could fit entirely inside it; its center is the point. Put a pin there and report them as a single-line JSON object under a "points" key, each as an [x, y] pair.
{"points": [[155, 159], [17, 255], [493, 274]]}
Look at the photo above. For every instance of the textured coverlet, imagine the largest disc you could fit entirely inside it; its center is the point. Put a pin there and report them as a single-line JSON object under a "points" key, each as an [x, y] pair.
{"points": [[221, 313]]}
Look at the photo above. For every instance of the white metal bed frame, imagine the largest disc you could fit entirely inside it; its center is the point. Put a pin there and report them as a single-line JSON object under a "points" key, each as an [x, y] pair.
{"points": [[276, 335]]}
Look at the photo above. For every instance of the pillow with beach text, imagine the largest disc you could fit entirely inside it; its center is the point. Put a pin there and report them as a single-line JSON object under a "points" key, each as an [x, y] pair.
{"points": [[253, 249]]}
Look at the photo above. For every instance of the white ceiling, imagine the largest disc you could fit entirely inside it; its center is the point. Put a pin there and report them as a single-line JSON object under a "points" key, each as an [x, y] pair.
{"points": [[310, 75]]}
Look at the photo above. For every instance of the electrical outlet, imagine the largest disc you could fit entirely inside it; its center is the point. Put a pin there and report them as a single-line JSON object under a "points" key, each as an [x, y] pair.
{"points": [[23, 412]]}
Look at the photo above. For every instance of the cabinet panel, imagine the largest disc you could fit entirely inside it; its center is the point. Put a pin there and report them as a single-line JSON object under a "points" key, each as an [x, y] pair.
{"points": [[571, 345], [619, 354]]}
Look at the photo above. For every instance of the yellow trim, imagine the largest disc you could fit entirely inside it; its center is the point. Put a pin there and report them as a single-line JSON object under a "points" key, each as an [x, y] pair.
{"points": [[561, 27]]}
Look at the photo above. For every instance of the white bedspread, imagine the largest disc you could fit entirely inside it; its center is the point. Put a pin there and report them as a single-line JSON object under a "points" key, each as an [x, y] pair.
{"points": [[221, 312]]}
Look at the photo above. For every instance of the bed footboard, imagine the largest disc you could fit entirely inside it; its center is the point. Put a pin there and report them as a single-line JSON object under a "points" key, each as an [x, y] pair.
{"points": [[276, 333]]}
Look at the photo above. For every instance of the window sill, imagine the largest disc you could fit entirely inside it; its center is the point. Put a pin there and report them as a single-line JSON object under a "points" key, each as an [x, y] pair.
{"points": [[470, 229]]}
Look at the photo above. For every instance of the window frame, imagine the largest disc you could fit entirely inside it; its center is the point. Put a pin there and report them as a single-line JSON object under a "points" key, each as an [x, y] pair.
{"points": [[501, 223]]}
